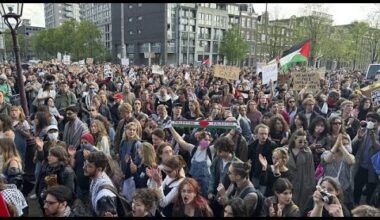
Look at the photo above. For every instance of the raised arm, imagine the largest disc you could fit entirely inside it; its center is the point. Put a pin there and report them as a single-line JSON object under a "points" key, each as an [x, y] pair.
{"points": [[182, 143]]}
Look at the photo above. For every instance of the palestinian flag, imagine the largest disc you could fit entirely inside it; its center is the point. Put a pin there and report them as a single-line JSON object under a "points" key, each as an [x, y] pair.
{"points": [[298, 53]]}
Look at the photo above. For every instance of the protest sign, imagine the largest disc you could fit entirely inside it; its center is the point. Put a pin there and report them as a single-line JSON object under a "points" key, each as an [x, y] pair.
{"points": [[125, 62], [74, 69], [375, 95], [368, 89], [156, 69], [309, 78], [226, 72], [66, 59], [89, 61], [81, 62], [40, 66], [59, 56], [270, 72]]}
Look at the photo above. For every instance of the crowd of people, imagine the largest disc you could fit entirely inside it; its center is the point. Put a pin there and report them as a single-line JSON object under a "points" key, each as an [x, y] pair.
{"points": [[105, 144]]}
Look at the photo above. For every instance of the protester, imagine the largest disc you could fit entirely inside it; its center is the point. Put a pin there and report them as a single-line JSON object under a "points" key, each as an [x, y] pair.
{"points": [[127, 115]]}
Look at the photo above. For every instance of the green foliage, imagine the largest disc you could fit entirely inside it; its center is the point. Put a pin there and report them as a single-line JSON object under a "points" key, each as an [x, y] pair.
{"points": [[79, 39], [234, 47]]}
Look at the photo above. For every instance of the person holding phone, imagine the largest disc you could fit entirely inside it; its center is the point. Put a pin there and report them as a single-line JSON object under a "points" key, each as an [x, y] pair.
{"points": [[327, 200], [318, 138], [364, 146], [281, 204]]}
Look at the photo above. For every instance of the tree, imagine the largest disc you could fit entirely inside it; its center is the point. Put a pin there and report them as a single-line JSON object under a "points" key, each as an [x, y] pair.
{"points": [[314, 26], [233, 46], [79, 39], [358, 30], [8, 43]]}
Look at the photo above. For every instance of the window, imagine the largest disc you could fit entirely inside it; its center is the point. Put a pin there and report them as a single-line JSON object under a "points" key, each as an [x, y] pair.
{"points": [[139, 18], [130, 6], [130, 32], [130, 19]]}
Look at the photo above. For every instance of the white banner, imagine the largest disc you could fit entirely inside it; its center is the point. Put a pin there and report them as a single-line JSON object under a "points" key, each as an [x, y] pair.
{"points": [[125, 62], [156, 69], [259, 67], [270, 72], [66, 59], [59, 56]]}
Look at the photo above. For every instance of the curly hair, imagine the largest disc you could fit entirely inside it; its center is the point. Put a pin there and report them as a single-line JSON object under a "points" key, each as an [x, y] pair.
{"points": [[149, 197]]}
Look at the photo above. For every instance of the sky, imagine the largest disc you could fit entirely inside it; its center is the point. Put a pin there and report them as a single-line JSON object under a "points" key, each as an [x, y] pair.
{"points": [[343, 13]]}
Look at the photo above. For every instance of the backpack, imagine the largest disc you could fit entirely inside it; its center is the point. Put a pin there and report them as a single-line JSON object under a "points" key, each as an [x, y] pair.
{"points": [[122, 206], [260, 209]]}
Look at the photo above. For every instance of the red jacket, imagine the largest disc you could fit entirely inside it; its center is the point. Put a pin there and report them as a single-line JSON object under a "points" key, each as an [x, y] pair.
{"points": [[4, 212]]}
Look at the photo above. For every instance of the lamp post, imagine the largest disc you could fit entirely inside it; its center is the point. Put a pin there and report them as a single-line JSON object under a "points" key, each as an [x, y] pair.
{"points": [[9, 15]]}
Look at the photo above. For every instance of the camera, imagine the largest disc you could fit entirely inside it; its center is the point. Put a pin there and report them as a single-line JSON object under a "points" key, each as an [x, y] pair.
{"points": [[369, 125], [326, 197]]}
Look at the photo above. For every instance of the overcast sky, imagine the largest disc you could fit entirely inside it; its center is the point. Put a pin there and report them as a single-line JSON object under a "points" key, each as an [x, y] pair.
{"points": [[343, 13]]}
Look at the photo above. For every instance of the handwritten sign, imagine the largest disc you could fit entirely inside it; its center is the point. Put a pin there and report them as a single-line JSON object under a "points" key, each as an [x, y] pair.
{"points": [[270, 72], [300, 79], [156, 69], [74, 69], [89, 61], [375, 95], [66, 59], [226, 72]]}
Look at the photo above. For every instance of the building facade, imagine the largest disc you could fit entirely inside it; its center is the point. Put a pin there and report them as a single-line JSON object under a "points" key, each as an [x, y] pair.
{"points": [[100, 14], [178, 33], [27, 30], [57, 13]]}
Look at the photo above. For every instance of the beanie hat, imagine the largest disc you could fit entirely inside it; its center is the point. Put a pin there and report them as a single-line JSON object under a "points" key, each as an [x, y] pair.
{"points": [[88, 137]]}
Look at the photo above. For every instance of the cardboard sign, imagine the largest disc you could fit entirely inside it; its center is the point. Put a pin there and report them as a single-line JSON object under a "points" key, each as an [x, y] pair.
{"points": [[156, 69], [66, 59], [270, 72], [226, 72], [301, 79], [81, 62], [368, 89], [89, 61], [74, 69], [375, 95]]}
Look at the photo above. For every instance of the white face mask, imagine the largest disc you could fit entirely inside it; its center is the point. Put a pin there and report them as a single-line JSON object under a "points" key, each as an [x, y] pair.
{"points": [[53, 136]]}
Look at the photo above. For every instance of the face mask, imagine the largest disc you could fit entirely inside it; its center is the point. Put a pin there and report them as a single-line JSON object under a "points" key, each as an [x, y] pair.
{"points": [[203, 144], [53, 136]]}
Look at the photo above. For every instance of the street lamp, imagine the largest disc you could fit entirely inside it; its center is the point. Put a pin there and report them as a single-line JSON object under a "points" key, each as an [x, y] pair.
{"points": [[8, 15]]}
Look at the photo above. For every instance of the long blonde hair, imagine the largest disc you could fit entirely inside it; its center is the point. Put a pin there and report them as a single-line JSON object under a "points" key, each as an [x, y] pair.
{"points": [[9, 152], [149, 154], [102, 132], [130, 124]]}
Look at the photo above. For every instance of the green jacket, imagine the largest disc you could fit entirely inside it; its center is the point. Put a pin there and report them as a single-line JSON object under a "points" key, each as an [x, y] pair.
{"points": [[6, 89], [65, 100]]}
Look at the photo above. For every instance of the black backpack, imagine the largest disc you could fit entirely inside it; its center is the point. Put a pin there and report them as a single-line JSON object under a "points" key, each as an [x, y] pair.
{"points": [[260, 209], [123, 207]]}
